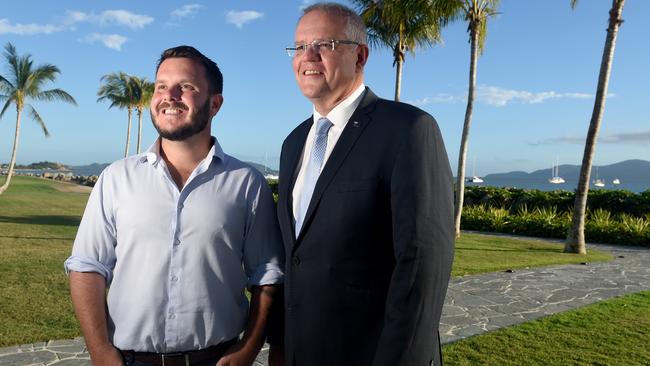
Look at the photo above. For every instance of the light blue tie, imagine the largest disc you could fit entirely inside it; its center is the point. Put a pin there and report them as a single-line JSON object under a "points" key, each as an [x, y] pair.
{"points": [[312, 170]]}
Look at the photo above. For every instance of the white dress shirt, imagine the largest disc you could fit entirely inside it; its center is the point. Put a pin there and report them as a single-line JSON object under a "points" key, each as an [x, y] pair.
{"points": [[177, 261], [339, 117]]}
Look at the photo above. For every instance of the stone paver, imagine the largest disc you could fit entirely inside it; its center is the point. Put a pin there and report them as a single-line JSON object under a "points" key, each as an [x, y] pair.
{"points": [[474, 304]]}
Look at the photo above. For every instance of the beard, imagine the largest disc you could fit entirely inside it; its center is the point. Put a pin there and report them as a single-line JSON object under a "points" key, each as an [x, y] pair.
{"points": [[198, 121]]}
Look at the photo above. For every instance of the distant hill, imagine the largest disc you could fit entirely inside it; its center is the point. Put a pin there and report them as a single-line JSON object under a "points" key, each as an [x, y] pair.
{"points": [[88, 170], [628, 170], [42, 165]]}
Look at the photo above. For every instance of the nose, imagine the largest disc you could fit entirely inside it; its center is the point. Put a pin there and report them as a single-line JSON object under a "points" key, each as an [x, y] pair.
{"points": [[311, 53], [172, 93]]}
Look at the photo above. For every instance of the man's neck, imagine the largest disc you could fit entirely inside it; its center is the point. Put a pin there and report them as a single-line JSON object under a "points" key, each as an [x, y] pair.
{"points": [[324, 106], [182, 157]]}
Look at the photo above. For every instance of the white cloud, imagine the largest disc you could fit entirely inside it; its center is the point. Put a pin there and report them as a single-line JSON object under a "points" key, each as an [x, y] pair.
{"points": [[499, 97], [110, 17], [113, 41], [186, 11], [437, 99], [28, 29], [239, 18]]}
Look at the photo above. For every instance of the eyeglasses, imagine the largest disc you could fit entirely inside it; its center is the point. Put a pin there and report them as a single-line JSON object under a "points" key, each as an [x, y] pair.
{"points": [[319, 46]]}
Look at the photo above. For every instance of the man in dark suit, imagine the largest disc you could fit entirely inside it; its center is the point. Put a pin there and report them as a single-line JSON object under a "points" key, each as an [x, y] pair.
{"points": [[365, 208]]}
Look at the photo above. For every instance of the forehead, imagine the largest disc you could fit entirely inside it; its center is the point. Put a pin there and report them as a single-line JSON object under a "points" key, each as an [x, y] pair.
{"points": [[320, 25], [182, 67]]}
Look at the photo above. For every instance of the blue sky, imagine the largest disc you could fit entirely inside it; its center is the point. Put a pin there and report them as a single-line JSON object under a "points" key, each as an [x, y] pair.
{"points": [[536, 79]]}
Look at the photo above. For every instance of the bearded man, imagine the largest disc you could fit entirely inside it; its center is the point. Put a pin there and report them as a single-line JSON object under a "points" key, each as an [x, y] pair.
{"points": [[176, 234]]}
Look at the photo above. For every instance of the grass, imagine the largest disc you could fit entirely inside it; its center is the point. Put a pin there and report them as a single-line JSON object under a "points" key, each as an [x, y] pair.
{"points": [[37, 227], [477, 253], [38, 223], [612, 332]]}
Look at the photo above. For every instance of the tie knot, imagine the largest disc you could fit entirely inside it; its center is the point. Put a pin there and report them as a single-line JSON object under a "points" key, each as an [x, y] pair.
{"points": [[323, 126]]}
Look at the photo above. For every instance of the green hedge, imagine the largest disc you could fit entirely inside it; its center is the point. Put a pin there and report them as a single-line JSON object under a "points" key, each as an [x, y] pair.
{"points": [[600, 226], [618, 201]]}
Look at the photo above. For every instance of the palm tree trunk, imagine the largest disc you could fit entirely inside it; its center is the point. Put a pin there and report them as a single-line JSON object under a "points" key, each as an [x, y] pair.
{"points": [[398, 80], [12, 163], [575, 242], [128, 135], [139, 130], [398, 54], [464, 141]]}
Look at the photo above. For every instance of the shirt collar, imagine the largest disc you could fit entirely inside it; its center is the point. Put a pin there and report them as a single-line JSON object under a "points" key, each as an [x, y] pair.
{"points": [[340, 115], [152, 154]]}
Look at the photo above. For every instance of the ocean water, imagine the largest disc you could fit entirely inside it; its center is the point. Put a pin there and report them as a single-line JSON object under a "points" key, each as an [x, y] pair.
{"points": [[634, 186]]}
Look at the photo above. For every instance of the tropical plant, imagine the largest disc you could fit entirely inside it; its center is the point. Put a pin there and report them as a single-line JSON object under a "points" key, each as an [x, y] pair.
{"points": [[575, 241], [476, 13], [402, 25], [143, 91], [119, 90], [24, 84]]}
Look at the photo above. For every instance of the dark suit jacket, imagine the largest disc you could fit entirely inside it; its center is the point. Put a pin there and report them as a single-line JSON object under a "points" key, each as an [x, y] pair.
{"points": [[367, 276]]}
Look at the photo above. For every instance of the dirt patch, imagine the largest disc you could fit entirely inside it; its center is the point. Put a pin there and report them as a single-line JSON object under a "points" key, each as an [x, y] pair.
{"points": [[72, 188]]}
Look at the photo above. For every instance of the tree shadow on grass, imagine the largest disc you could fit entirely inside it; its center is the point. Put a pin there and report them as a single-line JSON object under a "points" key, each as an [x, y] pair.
{"points": [[513, 250], [36, 237], [56, 220]]}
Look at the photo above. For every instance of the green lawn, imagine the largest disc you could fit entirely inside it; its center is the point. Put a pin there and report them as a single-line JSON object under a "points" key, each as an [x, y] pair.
{"points": [[38, 223], [476, 253], [37, 226], [612, 332]]}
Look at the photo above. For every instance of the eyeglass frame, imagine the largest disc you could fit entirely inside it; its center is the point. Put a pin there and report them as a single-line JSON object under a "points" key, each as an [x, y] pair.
{"points": [[301, 49]]}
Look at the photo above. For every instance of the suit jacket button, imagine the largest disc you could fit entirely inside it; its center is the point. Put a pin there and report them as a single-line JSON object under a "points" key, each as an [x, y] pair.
{"points": [[296, 261]]}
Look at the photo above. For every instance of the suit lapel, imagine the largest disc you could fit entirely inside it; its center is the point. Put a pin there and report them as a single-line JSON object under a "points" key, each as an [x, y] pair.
{"points": [[353, 129], [289, 172]]}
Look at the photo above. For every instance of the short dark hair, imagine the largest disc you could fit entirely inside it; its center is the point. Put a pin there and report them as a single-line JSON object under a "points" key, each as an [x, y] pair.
{"points": [[215, 78]]}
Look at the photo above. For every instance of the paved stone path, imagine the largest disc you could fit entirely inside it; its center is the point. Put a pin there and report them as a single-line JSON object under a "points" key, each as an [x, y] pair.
{"points": [[474, 304]]}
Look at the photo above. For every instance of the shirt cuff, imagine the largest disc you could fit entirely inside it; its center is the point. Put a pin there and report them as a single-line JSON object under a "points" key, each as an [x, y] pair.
{"points": [[266, 274], [84, 264]]}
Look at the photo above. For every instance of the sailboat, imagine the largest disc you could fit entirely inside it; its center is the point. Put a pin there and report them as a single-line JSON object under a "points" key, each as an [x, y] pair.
{"points": [[555, 174], [616, 181], [474, 178]]}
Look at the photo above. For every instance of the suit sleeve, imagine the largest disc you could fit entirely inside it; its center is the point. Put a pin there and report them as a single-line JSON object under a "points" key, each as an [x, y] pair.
{"points": [[422, 220]]}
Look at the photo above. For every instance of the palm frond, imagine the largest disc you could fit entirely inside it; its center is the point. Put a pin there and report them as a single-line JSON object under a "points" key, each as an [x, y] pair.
{"points": [[5, 85], [5, 107], [55, 94], [25, 82], [37, 117], [118, 88], [41, 75]]}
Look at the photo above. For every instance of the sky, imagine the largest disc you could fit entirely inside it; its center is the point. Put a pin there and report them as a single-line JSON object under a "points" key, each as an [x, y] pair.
{"points": [[536, 79]]}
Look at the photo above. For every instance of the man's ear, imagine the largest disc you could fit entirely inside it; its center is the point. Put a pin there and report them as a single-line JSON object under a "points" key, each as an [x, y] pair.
{"points": [[362, 56], [216, 101]]}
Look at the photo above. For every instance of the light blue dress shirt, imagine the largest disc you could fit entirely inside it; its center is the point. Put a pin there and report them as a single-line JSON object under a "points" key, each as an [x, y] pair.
{"points": [[177, 262]]}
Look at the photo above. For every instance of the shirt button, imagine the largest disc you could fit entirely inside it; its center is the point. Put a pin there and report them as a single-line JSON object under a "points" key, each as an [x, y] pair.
{"points": [[177, 242], [174, 278], [172, 316], [296, 261]]}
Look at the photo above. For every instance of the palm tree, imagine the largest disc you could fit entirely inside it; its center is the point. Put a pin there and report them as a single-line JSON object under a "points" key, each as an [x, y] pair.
{"points": [[23, 85], [143, 91], [575, 242], [476, 13], [119, 90], [402, 25]]}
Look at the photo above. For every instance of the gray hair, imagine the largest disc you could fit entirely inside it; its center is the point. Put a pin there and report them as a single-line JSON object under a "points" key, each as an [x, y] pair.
{"points": [[355, 28]]}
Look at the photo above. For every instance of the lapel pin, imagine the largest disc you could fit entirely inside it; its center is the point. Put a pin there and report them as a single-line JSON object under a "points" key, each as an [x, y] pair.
{"points": [[355, 123]]}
